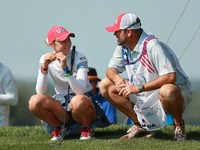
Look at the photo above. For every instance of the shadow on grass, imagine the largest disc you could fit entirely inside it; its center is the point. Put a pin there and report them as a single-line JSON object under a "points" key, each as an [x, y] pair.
{"points": [[163, 135], [167, 134], [115, 132], [193, 135], [101, 135], [111, 132]]}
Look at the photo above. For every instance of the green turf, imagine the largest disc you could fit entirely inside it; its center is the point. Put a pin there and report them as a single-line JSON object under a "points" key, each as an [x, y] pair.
{"points": [[35, 137]]}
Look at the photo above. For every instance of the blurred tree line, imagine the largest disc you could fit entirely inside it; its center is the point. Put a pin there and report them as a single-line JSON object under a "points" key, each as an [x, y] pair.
{"points": [[21, 116]]}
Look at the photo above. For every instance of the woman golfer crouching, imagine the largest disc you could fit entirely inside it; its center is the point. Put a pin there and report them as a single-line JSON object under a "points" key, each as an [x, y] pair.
{"points": [[83, 106]]}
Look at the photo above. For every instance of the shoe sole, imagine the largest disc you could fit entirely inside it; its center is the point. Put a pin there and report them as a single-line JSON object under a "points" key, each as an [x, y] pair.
{"points": [[56, 138], [152, 133], [180, 139], [148, 135], [84, 138]]}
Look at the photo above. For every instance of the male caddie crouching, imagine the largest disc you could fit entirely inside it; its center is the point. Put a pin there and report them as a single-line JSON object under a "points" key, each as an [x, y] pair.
{"points": [[157, 83]]}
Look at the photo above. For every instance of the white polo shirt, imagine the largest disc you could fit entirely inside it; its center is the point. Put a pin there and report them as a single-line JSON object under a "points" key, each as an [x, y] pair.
{"points": [[79, 81], [160, 57]]}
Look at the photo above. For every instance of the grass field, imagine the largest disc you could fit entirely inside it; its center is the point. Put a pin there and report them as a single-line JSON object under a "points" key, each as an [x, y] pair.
{"points": [[35, 137]]}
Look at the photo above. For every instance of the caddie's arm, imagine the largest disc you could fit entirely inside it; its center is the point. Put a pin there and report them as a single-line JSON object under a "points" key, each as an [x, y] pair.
{"points": [[113, 75], [160, 81], [126, 89], [164, 65]]}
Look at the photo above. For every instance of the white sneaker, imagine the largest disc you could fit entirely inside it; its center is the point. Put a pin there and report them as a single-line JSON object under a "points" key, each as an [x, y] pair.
{"points": [[57, 133], [137, 131], [86, 134], [179, 132]]}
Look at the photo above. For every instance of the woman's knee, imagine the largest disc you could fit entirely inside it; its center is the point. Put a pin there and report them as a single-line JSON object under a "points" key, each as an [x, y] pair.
{"points": [[80, 101], [34, 102]]}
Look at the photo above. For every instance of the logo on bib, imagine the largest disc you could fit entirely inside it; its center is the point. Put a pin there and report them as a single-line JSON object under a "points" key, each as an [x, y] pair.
{"points": [[149, 114], [148, 125]]}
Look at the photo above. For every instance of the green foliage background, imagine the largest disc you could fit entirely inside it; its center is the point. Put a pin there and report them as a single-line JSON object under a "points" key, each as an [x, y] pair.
{"points": [[21, 116]]}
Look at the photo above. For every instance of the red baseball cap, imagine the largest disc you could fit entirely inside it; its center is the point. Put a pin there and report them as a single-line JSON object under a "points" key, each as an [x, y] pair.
{"points": [[124, 21], [58, 33]]}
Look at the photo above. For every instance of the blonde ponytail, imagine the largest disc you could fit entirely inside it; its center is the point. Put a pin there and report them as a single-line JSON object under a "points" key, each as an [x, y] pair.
{"points": [[47, 42]]}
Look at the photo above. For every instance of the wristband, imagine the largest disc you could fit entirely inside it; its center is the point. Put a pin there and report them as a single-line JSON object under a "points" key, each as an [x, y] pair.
{"points": [[44, 71], [66, 70], [67, 75]]}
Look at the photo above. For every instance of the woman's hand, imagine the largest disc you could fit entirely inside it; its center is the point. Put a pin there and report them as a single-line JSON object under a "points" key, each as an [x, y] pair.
{"points": [[62, 58], [48, 58]]}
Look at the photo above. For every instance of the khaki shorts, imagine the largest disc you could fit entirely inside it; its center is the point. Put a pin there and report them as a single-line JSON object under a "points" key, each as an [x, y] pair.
{"points": [[187, 96]]}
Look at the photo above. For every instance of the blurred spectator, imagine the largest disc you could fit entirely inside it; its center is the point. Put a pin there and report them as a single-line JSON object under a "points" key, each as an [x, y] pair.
{"points": [[109, 109], [8, 94]]}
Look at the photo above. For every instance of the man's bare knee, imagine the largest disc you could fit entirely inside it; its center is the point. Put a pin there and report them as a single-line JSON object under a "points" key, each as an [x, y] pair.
{"points": [[169, 90], [103, 86]]}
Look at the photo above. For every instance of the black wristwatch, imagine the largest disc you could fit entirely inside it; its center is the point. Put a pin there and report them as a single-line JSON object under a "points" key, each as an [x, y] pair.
{"points": [[140, 87]]}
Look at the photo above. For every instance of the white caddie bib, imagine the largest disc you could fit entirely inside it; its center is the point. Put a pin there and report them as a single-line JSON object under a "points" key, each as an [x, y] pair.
{"points": [[148, 107]]}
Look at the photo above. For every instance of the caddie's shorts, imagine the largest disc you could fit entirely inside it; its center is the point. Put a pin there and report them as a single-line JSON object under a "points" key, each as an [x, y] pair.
{"points": [[186, 94], [74, 127]]}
